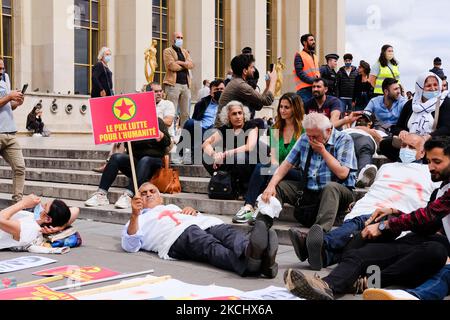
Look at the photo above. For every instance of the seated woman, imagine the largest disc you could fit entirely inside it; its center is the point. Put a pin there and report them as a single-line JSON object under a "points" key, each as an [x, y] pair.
{"points": [[283, 136], [19, 228], [239, 153], [427, 115], [148, 156], [34, 121]]}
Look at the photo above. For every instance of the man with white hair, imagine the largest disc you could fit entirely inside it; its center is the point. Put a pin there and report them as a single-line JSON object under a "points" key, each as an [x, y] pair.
{"points": [[188, 235], [327, 158]]}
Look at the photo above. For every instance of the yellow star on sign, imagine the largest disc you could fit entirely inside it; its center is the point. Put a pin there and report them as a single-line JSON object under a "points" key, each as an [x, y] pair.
{"points": [[124, 109]]}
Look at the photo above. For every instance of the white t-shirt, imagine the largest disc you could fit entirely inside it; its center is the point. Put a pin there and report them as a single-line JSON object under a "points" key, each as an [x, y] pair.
{"points": [[405, 187], [29, 231], [166, 108], [160, 227]]}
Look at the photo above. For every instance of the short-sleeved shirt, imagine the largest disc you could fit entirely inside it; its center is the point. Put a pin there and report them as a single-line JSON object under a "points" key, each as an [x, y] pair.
{"points": [[7, 124], [166, 108], [385, 117], [340, 145], [29, 231], [375, 70], [331, 104]]}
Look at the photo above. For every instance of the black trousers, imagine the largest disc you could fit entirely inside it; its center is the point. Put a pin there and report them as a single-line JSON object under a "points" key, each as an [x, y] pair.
{"points": [[221, 246], [409, 261]]}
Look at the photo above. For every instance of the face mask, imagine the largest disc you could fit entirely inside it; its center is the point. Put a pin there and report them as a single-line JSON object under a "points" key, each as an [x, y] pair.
{"points": [[430, 94], [107, 59], [37, 212], [348, 65], [217, 96], [407, 155], [179, 43], [389, 56], [229, 77]]}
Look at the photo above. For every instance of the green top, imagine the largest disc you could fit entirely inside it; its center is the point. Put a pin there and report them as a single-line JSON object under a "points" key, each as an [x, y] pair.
{"points": [[283, 148]]}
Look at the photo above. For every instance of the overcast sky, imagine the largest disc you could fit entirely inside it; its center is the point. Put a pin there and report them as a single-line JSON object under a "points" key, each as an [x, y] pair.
{"points": [[419, 31]]}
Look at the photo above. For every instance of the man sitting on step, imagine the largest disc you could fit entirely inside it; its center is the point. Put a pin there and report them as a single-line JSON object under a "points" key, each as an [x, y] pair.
{"points": [[148, 156], [186, 234], [405, 186]]}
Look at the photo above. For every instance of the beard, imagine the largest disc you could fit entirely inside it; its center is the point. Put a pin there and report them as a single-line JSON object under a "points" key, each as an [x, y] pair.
{"points": [[443, 176]]}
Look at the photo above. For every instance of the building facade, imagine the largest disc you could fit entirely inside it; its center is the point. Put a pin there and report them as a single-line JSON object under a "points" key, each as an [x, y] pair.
{"points": [[52, 44]]}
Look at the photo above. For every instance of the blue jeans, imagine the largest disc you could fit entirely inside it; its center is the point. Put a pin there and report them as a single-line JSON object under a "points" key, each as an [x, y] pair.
{"points": [[437, 288], [146, 167], [347, 104], [305, 94], [261, 177], [336, 240]]}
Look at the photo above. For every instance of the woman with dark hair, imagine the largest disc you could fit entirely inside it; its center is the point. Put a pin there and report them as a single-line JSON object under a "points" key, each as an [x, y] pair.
{"points": [[19, 227], [363, 89], [34, 121], [385, 67], [283, 136]]}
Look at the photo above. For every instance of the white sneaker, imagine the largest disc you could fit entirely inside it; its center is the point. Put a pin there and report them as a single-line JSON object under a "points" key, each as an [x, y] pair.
{"points": [[37, 135], [97, 200], [384, 294], [124, 202], [367, 176]]}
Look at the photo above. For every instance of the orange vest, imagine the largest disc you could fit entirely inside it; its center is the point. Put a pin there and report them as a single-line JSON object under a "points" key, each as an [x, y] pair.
{"points": [[310, 66]]}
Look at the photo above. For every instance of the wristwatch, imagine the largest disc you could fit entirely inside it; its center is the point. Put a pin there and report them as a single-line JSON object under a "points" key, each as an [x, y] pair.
{"points": [[382, 226]]}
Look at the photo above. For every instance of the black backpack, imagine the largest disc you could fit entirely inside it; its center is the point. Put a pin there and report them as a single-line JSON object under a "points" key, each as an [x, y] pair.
{"points": [[221, 186]]}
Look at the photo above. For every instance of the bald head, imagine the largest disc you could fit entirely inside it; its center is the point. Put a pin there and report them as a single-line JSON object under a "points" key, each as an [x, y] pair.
{"points": [[415, 142]]}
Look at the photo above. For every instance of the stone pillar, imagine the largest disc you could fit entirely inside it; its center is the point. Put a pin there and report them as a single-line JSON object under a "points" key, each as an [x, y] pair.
{"points": [[22, 44], [199, 36], [179, 15], [253, 22], [295, 24], [332, 38], [52, 45], [133, 34]]}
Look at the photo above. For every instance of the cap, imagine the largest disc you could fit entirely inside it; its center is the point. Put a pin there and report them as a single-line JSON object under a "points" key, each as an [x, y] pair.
{"points": [[437, 61], [332, 56], [368, 115]]}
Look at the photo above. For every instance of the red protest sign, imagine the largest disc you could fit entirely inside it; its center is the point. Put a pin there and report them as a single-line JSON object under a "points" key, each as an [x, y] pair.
{"points": [[34, 293], [82, 274], [125, 118]]}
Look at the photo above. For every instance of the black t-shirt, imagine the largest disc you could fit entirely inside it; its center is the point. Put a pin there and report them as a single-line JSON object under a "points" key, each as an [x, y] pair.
{"points": [[330, 105], [182, 76], [241, 138]]}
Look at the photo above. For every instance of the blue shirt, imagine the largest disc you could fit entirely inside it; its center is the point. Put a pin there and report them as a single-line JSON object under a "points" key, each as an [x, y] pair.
{"points": [[7, 124], [340, 145], [210, 115], [386, 118]]}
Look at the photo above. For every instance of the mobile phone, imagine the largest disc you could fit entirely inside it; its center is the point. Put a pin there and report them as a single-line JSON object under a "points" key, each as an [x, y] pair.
{"points": [[24, 88], [271, 67]]}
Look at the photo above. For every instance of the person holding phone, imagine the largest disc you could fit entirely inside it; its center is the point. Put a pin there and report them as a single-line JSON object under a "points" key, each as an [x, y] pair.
{"points": [[10, 149]]}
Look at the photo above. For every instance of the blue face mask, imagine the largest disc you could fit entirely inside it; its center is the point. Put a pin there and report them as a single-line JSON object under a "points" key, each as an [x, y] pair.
{"points": [[407, 155], [107, 59], [179, 43], [430, 94], [348, 65], [37, 212]]}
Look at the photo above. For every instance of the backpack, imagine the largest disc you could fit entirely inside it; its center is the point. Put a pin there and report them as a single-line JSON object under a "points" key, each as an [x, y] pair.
{"points": [[221, 186]]}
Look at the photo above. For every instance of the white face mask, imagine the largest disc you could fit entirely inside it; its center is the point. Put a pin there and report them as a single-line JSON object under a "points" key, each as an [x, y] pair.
{"points": [[179, 43], [107, 59], [407, 155]]}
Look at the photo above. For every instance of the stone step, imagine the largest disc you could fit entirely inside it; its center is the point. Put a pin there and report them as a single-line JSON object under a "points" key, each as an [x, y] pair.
{"points": [[111, 215], [188, 184]]}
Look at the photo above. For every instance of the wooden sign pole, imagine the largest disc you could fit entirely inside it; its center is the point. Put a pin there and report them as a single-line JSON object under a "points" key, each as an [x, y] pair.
{"points": [[133, 168]]}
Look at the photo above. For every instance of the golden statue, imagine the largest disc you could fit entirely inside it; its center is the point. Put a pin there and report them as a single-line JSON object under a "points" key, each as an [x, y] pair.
{"points": [[279, 68], [151, 63]]}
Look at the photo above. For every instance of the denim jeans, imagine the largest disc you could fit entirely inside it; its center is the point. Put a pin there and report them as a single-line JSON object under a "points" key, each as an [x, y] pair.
{"points": [[347, 104], [365, 148], [146, 167], [305, 94], [336, 240], [437, 288], [193, 127], [261, 177]]}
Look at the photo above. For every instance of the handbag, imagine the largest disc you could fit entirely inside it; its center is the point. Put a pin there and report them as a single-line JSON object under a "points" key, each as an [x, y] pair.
{"points": [[221, 186], [167, 179]]}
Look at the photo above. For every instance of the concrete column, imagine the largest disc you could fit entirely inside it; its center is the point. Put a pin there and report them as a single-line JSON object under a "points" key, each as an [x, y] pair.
{"points": [[199, 36], [233, 28], [133, 33], [253, 22], [179, 15], [22, 46], [279, 52], [332, 39], [295, 24]]}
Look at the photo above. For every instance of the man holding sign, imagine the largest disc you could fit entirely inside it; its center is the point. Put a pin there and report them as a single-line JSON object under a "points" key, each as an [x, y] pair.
{"points": [[124, 119]]}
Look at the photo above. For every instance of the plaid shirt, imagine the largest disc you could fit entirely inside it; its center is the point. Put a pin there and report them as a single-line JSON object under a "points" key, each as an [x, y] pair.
{"points": [[340, 145], [426, 221]]}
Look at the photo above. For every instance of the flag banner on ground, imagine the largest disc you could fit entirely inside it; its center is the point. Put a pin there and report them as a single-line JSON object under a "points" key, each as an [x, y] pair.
{"points": [[23, 263], [82, 274], [125, 118], [34, 293]]}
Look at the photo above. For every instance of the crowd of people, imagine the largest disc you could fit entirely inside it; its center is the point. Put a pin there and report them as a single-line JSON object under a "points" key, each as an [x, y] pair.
{"points": [[312, 156]]}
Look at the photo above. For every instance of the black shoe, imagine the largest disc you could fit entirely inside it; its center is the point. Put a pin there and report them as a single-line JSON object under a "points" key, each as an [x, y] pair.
{"points": [[256, 247], [269, 267], [314, 245], [298, 240]]}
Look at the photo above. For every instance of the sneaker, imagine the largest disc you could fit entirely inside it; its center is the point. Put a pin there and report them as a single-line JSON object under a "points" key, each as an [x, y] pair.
{"points": [[97, 200], [383, 294], [314, 245], [124, 202], [37, 135], [307, 287], [298, 240], [367, 176], [244, 215]]}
